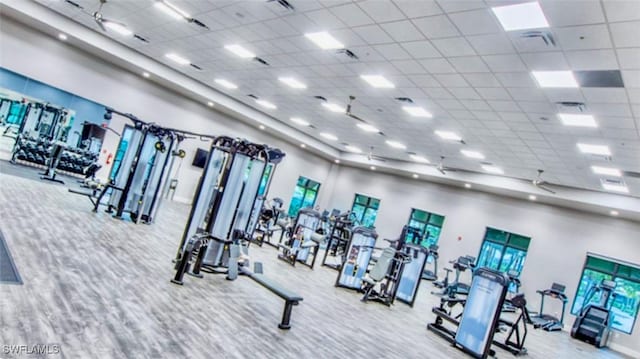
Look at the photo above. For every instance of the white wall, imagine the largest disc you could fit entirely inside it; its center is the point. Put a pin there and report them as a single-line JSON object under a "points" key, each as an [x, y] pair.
{"points": [[54, 62], [560, 237]]}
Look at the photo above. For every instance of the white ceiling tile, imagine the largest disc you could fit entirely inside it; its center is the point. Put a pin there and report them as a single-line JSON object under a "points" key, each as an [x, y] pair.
{"points": [[424, 80], [569, 13], [622, 10], [456, 46], [545, 61], [434, 27], [482, 80], [438, 93], [460, 5], [516, 79], [402, 31], [491, 44], [408, 67], [451, 80], [413, 8], [607, 109], [469, 64], [476, 22], [563, 94], [526, 94], [629, 58], [493, 93], [605, 95], [503, 105], [625, 34], [616, 122], [592, 60], [373, 34], [324, 20], [504, 63], [464, 93], [392, 52], [634, 95], [584, 37], [421, 49], [538, 107], [631, 78], [381, 11], [437, 66], [351, 14], [476, 105]]}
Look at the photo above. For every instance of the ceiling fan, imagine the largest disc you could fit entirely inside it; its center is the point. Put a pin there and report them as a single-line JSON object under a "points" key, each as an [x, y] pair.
{"points": [[371, 156], [538, 182], [107, 24], [444, 169]]}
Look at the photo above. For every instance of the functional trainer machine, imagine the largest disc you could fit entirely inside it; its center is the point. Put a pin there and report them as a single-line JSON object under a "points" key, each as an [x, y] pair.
{"points": [[338, 240], [304, 240], [593, 323], [358, 255]]}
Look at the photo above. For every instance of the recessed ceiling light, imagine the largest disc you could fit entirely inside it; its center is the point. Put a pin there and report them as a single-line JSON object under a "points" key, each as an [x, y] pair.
{"points": [[336, 161], [417, 111], [266, 104], [178, 59], [62, 37], [240, 51], [472, 154], [419, 159], [262, 127], [532, 197], [118, 28], [378, 81], [324, 40], [467, 185], [607, 171], [415, 175], [225, 83], [492, 169], [614, 213], [373, 168], [299, 121], [367, 127], [353, 149], [570, 119], [594, 149], [333, 107], [448, 135], [396, 144], [520, 16], [303, 145], [329, 136], [145, 75], [210, 104], [555, 79], [615, 187], [291, 82], [172, 10]]}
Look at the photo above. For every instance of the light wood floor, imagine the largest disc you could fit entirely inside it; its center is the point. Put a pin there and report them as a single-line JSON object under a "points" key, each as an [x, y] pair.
{"points": [[100, 288]]}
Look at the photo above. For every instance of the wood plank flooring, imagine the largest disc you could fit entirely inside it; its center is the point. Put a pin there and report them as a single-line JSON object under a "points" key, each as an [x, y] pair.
{"points": [[99, 288]]}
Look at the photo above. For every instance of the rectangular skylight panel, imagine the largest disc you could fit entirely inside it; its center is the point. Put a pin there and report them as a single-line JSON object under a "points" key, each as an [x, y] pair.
{"points": [[377, 81], [594, 149], [521, 16], [555, 79], [178, 59], [324, 40], [293, 83], [417, 111], [240, 51], [571, 119], [606, 171], [448, 135], [472, 154], [225, 83]]}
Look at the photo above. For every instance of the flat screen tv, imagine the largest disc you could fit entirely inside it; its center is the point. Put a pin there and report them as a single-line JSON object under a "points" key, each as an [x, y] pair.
{"points": [[200, 159]]}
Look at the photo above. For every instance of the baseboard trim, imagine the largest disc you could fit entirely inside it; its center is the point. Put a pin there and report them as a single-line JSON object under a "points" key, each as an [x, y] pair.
{"points": [[624, 350]]}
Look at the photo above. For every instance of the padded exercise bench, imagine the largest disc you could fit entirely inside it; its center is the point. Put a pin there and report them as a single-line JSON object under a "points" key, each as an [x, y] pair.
{"points": [[290, 298]]}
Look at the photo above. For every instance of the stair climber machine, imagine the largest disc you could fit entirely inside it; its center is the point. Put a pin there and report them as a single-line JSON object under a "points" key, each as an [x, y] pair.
{"points": [[593, 323], [141, 169], [549, 322], [474, 329], [304, 241], [234, 178]]}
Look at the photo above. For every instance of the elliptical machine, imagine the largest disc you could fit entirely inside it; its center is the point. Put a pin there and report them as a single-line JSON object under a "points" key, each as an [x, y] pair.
{"points": [[593, 323]]}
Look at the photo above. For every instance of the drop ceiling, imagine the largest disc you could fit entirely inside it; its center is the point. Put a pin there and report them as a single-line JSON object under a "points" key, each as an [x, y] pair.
{"points": [[450, 57]]}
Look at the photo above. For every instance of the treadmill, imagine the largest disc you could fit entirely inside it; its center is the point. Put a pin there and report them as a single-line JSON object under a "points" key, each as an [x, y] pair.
{"points": [[549, 322]]}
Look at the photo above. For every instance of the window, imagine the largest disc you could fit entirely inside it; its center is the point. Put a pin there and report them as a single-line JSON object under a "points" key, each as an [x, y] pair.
{"points": [[304, 196], [503, 251], [429, 224], [266, 178], [625, 303], [365, 210]]}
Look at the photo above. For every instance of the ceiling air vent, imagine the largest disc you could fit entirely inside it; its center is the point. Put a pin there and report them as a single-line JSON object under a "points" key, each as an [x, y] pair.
{"points": [[543, 36], [404, 99], [284, 3], [576, 106], [348, 52]]}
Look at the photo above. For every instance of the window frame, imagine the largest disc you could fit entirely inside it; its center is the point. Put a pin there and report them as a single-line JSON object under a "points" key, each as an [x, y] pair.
{"points": [[368, 205], [426, 223], [505, 245], [308, 187], [613, 274]]}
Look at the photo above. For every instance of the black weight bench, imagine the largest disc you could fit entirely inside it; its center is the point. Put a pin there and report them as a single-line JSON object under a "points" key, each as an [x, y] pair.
{"points": [[91, 195], [290, 298]]}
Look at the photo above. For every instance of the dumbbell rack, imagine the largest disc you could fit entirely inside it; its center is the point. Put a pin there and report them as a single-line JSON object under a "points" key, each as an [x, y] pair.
{"points": [[36, 152]]}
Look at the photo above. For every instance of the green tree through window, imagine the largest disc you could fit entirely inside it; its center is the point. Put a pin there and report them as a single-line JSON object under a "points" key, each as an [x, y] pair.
{"points": [[365, 210], [503, 251], [429, 225], [626, 302], [304, 195]]}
